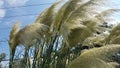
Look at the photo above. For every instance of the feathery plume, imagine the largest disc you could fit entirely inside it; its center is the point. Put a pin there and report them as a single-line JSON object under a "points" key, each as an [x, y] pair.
{"points": [[78, 35], [12, 41], [63, 15], [95, 57], [108, 16], [94, 41], [114, 36], [27, 36], [47, 16], [30, 33], [85, 15]]}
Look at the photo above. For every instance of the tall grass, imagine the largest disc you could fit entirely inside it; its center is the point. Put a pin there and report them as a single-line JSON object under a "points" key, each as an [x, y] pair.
{"points": [[71, 37]]}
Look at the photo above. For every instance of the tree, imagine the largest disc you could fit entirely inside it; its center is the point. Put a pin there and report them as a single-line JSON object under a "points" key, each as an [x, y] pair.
{"points": [[2, 57]]}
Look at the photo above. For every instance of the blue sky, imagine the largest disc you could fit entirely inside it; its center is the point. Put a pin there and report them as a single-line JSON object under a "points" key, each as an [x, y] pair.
{"points": [[12, 11]]}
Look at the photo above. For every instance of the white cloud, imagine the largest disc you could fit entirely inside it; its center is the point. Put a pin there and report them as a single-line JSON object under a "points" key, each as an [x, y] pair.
{"points": [[17, 2], [1, 3], [2, 11]]}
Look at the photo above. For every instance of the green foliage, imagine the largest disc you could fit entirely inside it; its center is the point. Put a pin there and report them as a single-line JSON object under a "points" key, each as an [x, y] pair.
{"points": [[2, 56]]}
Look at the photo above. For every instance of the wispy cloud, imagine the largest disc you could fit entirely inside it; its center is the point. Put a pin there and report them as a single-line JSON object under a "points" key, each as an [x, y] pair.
{"points": [[1, 3], [17, 2], [2, 11]]}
